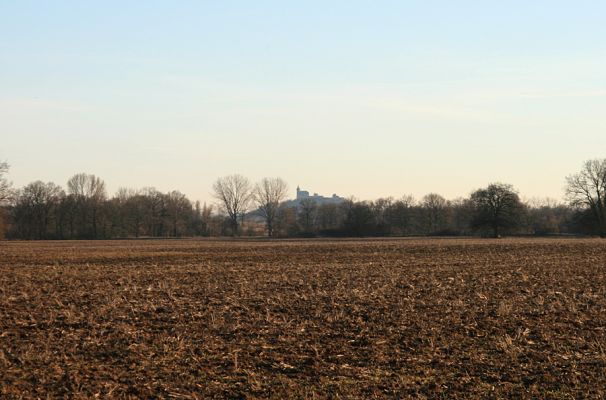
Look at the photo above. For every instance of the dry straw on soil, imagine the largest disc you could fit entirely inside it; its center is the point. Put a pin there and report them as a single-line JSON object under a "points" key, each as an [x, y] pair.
{"points": [[303, 319]]}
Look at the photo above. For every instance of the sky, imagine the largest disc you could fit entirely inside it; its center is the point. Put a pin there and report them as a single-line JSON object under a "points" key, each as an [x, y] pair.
{"points": [[360, 98]]}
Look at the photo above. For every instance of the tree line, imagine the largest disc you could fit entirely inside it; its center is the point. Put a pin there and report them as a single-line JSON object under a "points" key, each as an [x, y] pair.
{"points": [[83, 210]]}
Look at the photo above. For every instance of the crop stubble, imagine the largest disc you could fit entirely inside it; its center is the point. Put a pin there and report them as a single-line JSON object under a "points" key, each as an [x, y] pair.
{"points": [[450, 318]]}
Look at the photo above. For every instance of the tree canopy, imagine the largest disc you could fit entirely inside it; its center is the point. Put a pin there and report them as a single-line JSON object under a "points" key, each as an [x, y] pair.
{"points": [[587, 188], [496, 207]]}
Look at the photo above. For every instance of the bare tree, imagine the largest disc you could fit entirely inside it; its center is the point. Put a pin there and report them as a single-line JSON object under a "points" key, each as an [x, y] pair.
{"points": [[329, 216], [200, 223], [286, 220], [123, 194], [206, 218], [151, 203], [588, 189], [400, 215], [268, 194], [5, 193], [547, 216], [178, 208], [497, 206], [380, 210], [359, 219], [5, 186], [234, 194], [462, 210], [435, 209], [89, 192], [87, 186], [307, 211], [34, 209]]}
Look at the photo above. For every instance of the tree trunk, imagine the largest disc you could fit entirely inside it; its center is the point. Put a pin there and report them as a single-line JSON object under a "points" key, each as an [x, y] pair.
{"points": [[94, 223], [234, 226]]}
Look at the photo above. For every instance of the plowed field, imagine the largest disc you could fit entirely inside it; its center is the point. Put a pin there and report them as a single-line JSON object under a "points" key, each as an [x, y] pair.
{"points": [[435, 318]]}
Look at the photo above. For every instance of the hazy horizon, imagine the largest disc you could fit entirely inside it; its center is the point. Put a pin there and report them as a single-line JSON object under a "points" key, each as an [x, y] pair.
{"points": [[370, 100]]}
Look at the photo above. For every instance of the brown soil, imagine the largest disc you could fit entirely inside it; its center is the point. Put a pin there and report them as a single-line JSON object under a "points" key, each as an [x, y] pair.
{"points": [[441, 318]]}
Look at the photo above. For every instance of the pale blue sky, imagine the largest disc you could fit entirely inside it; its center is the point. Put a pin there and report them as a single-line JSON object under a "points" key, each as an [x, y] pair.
{"points": [[363, 98]]}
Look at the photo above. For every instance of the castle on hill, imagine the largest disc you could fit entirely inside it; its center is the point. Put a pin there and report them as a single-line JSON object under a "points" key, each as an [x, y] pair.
{"points": [[318, 199]]}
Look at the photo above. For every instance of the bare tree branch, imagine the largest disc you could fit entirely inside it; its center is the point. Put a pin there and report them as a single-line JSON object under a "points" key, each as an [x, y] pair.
{"points": [[5, 185], [588, 189], [268, 194], [234, 194]]}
